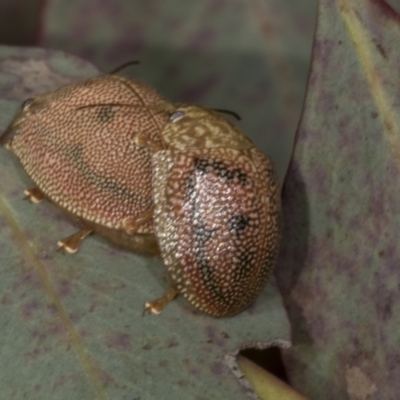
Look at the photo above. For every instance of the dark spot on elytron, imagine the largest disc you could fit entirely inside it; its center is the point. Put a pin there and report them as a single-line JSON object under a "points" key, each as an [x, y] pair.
{"points": [[209, 279], [207, 271], [237, 223], [190, 185], [75, 154], [201, 234], [210, 274], [244, 266], [228, 175], [105, 113]]}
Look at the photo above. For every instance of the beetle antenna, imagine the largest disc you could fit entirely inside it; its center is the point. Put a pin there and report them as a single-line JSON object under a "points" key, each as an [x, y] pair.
{"points": [[124, 65], [236, 115]]}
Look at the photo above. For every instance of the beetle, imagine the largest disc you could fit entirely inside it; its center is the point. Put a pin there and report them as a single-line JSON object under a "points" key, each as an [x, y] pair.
{"points": [[155, 177], [77, 145], [217, 212]]}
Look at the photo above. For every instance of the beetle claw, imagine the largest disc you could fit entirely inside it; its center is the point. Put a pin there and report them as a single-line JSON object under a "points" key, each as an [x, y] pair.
{"points": [[157, 305], [151, 308], [63, 247], [70, 244], [34, 195], [7, 144]]}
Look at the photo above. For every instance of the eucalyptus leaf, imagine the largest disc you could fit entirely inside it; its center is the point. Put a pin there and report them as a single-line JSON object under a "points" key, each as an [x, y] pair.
{"points": [[72, 325], [339, 264]]}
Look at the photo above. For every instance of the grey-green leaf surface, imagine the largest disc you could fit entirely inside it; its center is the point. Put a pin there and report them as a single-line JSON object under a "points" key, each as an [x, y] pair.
{"points": [[72, 325], [339, 265]]}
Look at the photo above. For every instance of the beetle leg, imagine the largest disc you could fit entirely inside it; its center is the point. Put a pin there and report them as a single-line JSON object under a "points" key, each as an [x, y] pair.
{"points": [[5, 139], [7, 143], [132, 224], [157, 305], [71, 243], [35, 195]]}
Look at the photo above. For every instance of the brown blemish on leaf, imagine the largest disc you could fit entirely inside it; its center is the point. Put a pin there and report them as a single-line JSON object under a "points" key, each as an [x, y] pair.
{"points": [[171, 343], [65, 379], [33, 354], [215, 336], [6, 299], [192, 369], [374, 115], [217, 368], [108, 287], [120, 341], [63, 288], [29, 308], [182, 383], [359, 387]]}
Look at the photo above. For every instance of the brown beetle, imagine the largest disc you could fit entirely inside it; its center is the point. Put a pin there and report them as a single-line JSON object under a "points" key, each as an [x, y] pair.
{"points": [[78, 146], [216, 212], [114, 154]]}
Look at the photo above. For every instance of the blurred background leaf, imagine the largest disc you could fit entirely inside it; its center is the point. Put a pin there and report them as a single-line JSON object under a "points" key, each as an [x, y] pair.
{"points": [[339, 266]]}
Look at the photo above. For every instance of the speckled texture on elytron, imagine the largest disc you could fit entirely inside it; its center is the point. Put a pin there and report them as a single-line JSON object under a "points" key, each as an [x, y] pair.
{"points": [[339, 268], [102, 291], [217, 211], [195, 127], [78, 145]]}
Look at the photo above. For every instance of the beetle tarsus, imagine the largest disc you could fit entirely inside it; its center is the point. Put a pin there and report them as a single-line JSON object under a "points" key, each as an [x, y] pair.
{"points": [[70, 244], [34, 195], [8, 144], [157, 305]]}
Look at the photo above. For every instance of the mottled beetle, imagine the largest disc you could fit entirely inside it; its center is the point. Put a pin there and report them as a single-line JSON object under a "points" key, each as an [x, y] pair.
{"points": [[216, 212], [77, 144], [156, 177]]}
